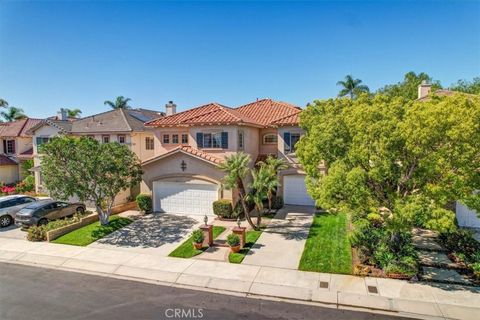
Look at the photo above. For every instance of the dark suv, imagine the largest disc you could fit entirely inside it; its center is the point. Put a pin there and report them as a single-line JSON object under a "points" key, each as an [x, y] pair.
{"points": [[41, 212]]}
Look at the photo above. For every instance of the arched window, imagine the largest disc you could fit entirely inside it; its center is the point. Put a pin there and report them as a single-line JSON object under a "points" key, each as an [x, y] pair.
{"points": [[270, 138]]}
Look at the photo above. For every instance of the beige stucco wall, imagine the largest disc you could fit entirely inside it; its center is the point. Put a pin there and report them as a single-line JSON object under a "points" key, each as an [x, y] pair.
{"points": [[268, 148], [9, 174], [169, 168], [289, 157]]}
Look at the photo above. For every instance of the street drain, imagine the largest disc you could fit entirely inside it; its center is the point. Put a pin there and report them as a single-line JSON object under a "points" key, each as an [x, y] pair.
{"points": [[323, 284], [372, 289]]}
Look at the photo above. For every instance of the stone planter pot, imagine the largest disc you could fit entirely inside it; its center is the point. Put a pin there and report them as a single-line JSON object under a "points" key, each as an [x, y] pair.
{"points": [[198, 246], [235, 249]]}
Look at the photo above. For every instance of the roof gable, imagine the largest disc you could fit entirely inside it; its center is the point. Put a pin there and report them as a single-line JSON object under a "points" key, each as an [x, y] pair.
{"points": [[18, 128], [188, 151], [268, 111]]}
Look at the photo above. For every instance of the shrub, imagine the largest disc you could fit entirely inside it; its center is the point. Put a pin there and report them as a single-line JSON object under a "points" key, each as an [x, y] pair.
{"points": [[375, 219], [233, 240], [197, 236], [400, 268], [223, 208], [37, 233], [277, 203], [238, 210], [461, 241], [27, 185], [144, 202], [476, 270]]}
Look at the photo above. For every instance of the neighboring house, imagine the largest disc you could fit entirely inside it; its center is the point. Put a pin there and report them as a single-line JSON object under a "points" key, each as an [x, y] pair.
{"points": [[15, 148], [126, 126], [184, 176]]}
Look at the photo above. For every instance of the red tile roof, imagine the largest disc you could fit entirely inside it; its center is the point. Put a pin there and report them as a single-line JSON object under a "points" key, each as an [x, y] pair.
{"points": [[189, 150], [18, 128], [212, 113], [293, 120], [6, 161], [267, 111], [26, 154]]}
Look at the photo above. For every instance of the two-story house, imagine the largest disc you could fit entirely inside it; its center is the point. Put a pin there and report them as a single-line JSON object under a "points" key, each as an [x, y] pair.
{"points": [[15, 148], [125, 126], [184, 176]]}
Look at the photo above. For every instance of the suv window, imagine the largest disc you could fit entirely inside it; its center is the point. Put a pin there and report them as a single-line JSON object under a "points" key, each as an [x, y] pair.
{"points": [[25, 200], [8, 203]]}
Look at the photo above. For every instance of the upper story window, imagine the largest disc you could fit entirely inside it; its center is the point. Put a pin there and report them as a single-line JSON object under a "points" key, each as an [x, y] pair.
{"points": [[9, 146], [184, 138], [149, 143], [290, 140], [166, 138], [270, 138], [121, 138], [217, 140], [174, 138], [241, 139], [105, 139]]}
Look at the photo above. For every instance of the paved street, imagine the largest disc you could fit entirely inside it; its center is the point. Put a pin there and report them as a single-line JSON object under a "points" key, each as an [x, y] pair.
{"points": [[38, 293]]}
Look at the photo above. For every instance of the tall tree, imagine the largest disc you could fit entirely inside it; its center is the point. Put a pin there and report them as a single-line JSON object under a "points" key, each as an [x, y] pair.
{"points": [[90, 170], [352, 87], [262, 180], [3, 103], [73, 113], [120, 103], [408, 88], [472, 87], [236, 168], [394, 153], [13, 114], [274, 165]]}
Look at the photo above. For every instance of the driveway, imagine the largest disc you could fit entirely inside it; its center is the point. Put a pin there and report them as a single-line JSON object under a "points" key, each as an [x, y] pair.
{"points": [[157, 233], [281, 244], [12, 232]]}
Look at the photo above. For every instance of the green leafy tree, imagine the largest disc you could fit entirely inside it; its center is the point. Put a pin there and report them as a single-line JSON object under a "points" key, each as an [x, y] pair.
{"points": [[236, 168], [394, 153], [274, 165], [3, 103], [13, 114], [472, 87], [74, 113], [90, 170], [352, 87], [120, 103], [408, 88], [261, 177]]}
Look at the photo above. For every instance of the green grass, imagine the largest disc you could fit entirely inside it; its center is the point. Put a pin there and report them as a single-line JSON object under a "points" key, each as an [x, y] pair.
{"points": [[327, 248], [186, 249], [250, 238], [92, 232]]}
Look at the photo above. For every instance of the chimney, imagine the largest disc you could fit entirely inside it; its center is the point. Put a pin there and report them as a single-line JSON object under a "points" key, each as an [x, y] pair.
{"points": [[171, 108], [424, 89], [62, 114]]}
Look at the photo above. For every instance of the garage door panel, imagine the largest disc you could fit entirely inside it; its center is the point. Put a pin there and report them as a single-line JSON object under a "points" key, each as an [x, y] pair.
{"points": [[184, 198], [295, 191]]}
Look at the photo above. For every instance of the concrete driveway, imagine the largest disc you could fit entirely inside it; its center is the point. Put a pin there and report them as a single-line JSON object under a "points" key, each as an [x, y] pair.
{"points": [[12, 232], [157, 233], [281, 244]]}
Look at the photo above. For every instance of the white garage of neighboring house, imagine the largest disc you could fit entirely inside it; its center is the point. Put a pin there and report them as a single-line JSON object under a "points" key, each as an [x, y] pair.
{"points": [[466, 217], [295, 190]]}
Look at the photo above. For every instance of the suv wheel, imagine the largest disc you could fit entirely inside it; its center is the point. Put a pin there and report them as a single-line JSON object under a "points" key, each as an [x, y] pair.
{"points": [[5, 221], [42, 222]]}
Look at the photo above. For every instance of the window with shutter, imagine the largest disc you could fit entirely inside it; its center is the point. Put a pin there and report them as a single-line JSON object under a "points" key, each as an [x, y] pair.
{"points": [[224, 140], [199, 139], [286, 141]]}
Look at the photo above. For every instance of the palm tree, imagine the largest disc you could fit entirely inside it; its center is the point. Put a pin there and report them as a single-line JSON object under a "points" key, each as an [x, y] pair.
{"points": [[3, 103], [263, 182], [236, 168], [352, 87], [120, 103], [274, 165], [73, 113], [13, 114]]}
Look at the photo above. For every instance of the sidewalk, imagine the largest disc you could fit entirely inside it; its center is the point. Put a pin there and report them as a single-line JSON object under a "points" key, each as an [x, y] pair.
{"points": [[338, 291]]}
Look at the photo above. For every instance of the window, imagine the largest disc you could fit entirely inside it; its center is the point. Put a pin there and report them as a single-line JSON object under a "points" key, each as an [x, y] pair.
{"points": [[166, 138], [42, 140], [121, 138], [290, 140], [218, 140], [9, 146], [106, 139], [240, 139], [174, 138], [185, 138], [149, 143], [294, 139], [270, 138]]}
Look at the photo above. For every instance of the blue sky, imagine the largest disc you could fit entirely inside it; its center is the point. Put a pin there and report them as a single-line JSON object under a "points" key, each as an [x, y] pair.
{"points": [[78, 54]]}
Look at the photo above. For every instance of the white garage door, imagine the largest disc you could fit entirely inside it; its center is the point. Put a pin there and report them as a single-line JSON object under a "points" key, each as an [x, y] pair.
{"points": [[295, 191], [184, 198]]}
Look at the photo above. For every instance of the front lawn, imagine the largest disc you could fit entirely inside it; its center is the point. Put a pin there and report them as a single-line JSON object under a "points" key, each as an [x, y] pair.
{"points": [[250, 238], [327, 248], [92, 232], [186, 249]]}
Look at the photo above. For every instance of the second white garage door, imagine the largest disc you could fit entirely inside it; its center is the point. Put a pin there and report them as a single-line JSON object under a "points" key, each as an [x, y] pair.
{"points": [[295, 191], [184, 198]]}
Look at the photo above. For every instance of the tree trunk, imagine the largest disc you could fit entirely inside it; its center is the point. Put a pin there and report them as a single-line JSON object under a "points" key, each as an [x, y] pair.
{"points": [[269, 202], [259, 217], [241, 193], [102, 215]]}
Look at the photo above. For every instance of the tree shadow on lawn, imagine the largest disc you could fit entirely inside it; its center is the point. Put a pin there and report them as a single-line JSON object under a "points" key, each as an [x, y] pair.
{"points": [[151, 231]]}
